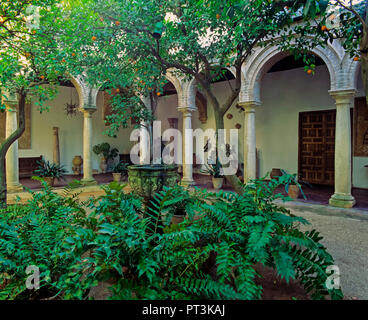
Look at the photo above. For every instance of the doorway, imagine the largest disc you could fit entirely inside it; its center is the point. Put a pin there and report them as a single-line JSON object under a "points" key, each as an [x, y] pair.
{"points": [[317, 147]]}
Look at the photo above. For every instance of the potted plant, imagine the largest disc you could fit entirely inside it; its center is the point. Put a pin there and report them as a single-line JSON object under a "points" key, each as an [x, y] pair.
{"points": [[107, 154], [215, 171], [293, 186], [50, 171], [119, 170]]}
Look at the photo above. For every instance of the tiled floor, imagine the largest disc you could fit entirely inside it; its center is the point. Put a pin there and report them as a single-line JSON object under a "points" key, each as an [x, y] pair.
{"points": [[314, 194]]}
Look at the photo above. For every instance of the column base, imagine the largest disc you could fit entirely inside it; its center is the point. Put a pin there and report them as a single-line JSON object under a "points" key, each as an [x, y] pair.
{"points": [[342, 200], [89, 182], [15, 188], [185, 182]]}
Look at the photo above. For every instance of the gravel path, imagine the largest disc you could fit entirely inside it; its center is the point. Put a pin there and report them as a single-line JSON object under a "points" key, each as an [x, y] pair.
{"points": [[346, 238]]}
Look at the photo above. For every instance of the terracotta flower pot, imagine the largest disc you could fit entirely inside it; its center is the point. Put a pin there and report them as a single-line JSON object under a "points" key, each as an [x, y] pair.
{"points": [[293, 191], [116, 176], [217, 183], [50, 181]]}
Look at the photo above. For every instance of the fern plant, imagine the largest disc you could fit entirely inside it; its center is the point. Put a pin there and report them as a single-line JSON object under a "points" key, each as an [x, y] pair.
{"points": [[212, 254], [32, 235]]}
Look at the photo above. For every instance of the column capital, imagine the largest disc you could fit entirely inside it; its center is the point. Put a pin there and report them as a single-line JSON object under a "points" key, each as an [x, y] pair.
{"points": [[11, 101], [343, 96], [186, 111], [249, 106], [88, 110]]}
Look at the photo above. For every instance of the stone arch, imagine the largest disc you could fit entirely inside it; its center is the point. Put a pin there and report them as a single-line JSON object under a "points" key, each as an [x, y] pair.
{"points": [[186, 90], [350, 72], [264, 58], [87, 94]]}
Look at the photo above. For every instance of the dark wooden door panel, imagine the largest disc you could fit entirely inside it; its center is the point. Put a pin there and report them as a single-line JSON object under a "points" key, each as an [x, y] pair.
{"points": [[317, 146]]}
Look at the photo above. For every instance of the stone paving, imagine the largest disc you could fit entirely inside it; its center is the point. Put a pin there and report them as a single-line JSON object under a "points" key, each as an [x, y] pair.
{"points": [[345, 233]]}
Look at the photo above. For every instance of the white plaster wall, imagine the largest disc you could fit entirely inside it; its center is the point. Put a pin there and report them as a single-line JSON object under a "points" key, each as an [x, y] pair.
{"points": [[70, 132]]}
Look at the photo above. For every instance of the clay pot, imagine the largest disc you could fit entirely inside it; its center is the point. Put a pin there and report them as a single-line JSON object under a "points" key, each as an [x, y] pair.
{"points": [[77, 165], [217, 183], [275, 173], [77, 161], [50, 181], [116, 176], [293, 191], [103, 165]]}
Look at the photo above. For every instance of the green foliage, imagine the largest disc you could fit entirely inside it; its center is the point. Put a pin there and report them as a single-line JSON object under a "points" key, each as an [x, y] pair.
{"points": [[106, 151], [47, 169], [214, 169], [33, 235], [153, 260], [292, 179], [121, 167], [212, 254]]}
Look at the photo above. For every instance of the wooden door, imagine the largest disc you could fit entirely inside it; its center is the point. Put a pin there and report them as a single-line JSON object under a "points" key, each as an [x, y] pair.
{"points": [[317, 147]]}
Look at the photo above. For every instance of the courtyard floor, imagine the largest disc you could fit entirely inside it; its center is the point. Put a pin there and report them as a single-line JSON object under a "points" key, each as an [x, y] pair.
{"points": [[315, 194]]}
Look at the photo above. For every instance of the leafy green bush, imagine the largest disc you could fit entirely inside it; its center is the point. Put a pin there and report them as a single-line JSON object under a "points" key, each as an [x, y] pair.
{"points": [[211, 255], [48, 169], [33, 235]]}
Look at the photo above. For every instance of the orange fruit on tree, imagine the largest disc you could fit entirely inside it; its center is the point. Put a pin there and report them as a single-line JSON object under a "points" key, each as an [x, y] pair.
{"points": [[324, 28], [228, 64], [94, 38], [117, 90], [218, 16], [158, 94], [84, 54], [117, 23], [73, 54], [34, 31], [309, 71], [42, 77], [356, 58], [63, 60]]}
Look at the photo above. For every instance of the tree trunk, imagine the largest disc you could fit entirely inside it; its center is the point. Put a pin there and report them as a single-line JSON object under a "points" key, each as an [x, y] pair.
{"points": [[4, 147]]}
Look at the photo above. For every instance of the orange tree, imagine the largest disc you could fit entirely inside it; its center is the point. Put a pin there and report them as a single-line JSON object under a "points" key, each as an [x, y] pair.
{"points": [[33, 58], [136, 41]]}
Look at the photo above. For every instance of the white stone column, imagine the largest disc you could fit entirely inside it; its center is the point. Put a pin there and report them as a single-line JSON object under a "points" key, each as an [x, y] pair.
{"points": [[12, 160], [187, 179], [250, 151], [87, 147], [144, 144], [342, 196]]}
